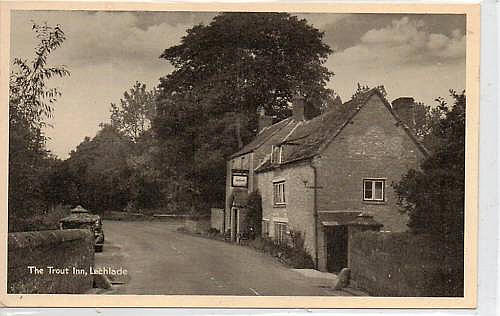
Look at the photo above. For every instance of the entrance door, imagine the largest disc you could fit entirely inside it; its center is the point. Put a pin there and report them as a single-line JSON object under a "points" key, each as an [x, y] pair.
{"points": [[336, 243], [234, 225]]}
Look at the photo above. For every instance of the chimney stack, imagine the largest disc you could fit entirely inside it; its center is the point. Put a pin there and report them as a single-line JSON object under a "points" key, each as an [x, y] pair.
{"points": [[264, 120], [335, 103], [298, 107], [404, 108]]}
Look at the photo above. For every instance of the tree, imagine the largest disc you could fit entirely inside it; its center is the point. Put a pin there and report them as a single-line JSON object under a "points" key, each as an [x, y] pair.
{"points": [[434, 196], [224, 73], [30, 104], [427, 120], [133, 115], [100, 172], [253, 219]]}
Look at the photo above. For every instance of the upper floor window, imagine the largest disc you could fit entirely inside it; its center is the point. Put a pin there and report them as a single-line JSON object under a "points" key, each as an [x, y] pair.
{"points": [[276, 152], [374, 190], [279, 192]]}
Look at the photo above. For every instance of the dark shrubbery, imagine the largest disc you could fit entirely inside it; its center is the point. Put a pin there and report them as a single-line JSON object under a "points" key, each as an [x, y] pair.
{"points": [[253, 220], [212, 232], [433, 196], [42, 220], [293, 253]]}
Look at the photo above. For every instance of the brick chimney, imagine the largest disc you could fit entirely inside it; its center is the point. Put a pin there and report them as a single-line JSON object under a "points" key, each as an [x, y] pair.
{"points": [[264, 120], [298, 105], [404, 108]]}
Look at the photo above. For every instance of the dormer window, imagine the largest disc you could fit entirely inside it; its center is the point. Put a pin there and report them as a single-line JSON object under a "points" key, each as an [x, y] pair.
{"points": [[276, 153]]}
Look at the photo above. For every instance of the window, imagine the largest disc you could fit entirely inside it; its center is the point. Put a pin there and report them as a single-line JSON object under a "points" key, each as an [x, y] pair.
{"points": [[280, 232], [374, 190], [276, 154], [279, 193], [265, 228]]}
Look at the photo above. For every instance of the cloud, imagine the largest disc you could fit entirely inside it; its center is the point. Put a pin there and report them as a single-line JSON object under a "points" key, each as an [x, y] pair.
{"points": [[106, 52], [407, 56], [102, 37], [347, 31], [321, 20], [407, 40]]}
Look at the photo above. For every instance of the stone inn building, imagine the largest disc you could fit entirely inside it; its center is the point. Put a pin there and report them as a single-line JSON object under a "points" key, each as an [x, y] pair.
{"points": [[318, 176]]}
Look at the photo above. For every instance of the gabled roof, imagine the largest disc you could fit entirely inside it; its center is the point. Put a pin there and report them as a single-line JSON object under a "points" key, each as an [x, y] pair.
{"points": [[264, 136], [311, 137]]}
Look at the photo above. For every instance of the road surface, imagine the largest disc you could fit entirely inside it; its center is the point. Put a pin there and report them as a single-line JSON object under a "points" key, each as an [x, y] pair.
{"points": [[161, 260]]}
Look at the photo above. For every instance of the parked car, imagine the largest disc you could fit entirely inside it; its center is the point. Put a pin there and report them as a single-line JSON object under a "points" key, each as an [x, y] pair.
{"points": [[80, 218]]}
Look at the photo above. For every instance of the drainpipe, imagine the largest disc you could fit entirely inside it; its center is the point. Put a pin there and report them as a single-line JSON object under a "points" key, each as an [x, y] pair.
{"points": [[315, 213]]}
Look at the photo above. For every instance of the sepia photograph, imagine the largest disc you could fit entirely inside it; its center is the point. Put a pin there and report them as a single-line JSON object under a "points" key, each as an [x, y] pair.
{"points": [[230, 153]]}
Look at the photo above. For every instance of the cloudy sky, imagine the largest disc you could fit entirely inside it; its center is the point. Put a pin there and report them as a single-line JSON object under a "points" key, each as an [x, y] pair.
{"points": [[106, 52]]}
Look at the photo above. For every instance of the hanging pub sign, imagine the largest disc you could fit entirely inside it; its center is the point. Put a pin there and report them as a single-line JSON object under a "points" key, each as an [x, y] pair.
{"points": [[239, 178]]}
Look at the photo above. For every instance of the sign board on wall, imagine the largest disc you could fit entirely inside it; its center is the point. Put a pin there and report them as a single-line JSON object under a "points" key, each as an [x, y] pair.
{"points": [[239, 178]]}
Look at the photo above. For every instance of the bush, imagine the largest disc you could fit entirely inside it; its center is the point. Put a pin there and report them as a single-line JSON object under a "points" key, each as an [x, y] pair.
{"points": [[43, 220], [213, 232], [253, 220], [293, 253]]}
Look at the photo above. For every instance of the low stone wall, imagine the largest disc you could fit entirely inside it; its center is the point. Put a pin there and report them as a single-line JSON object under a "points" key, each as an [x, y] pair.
{"points": [[66, 250], [217, 219], [197, 225], [125, 216], [402, 264]]}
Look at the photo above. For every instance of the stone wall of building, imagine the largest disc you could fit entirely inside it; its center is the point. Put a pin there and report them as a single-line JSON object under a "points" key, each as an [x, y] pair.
{"points": [[298, 210], [372, 145]]}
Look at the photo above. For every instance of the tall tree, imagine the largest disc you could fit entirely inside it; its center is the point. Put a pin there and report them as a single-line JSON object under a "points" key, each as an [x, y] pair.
{"points": [[133, 115], [30, 104], [434, 196], [100, 172], [224, 73]]}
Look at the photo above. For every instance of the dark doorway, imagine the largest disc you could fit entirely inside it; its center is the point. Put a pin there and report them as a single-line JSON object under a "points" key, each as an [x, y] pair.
{"points": [[234, 226], [336, 245]]}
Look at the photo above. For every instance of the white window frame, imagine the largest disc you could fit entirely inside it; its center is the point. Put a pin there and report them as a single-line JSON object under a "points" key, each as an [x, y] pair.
{"points": [[276, 160], [279, 192], [373, 182]]}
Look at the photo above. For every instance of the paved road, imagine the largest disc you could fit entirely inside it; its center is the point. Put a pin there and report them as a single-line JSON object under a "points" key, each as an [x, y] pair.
{"points": [[163, 261]]}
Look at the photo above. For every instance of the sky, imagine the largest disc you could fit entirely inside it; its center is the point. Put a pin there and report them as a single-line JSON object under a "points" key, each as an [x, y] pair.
{"points": [[422, 56]]}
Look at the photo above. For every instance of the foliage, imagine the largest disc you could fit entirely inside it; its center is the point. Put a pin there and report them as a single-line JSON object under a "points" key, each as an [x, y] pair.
{"points": [[253, 219], [46, 219], [132, 117], [427, 120], [116, 169], [224, 73], [293, 254], [98, 168], [30, 104], [30, 100], [434, 196]]}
